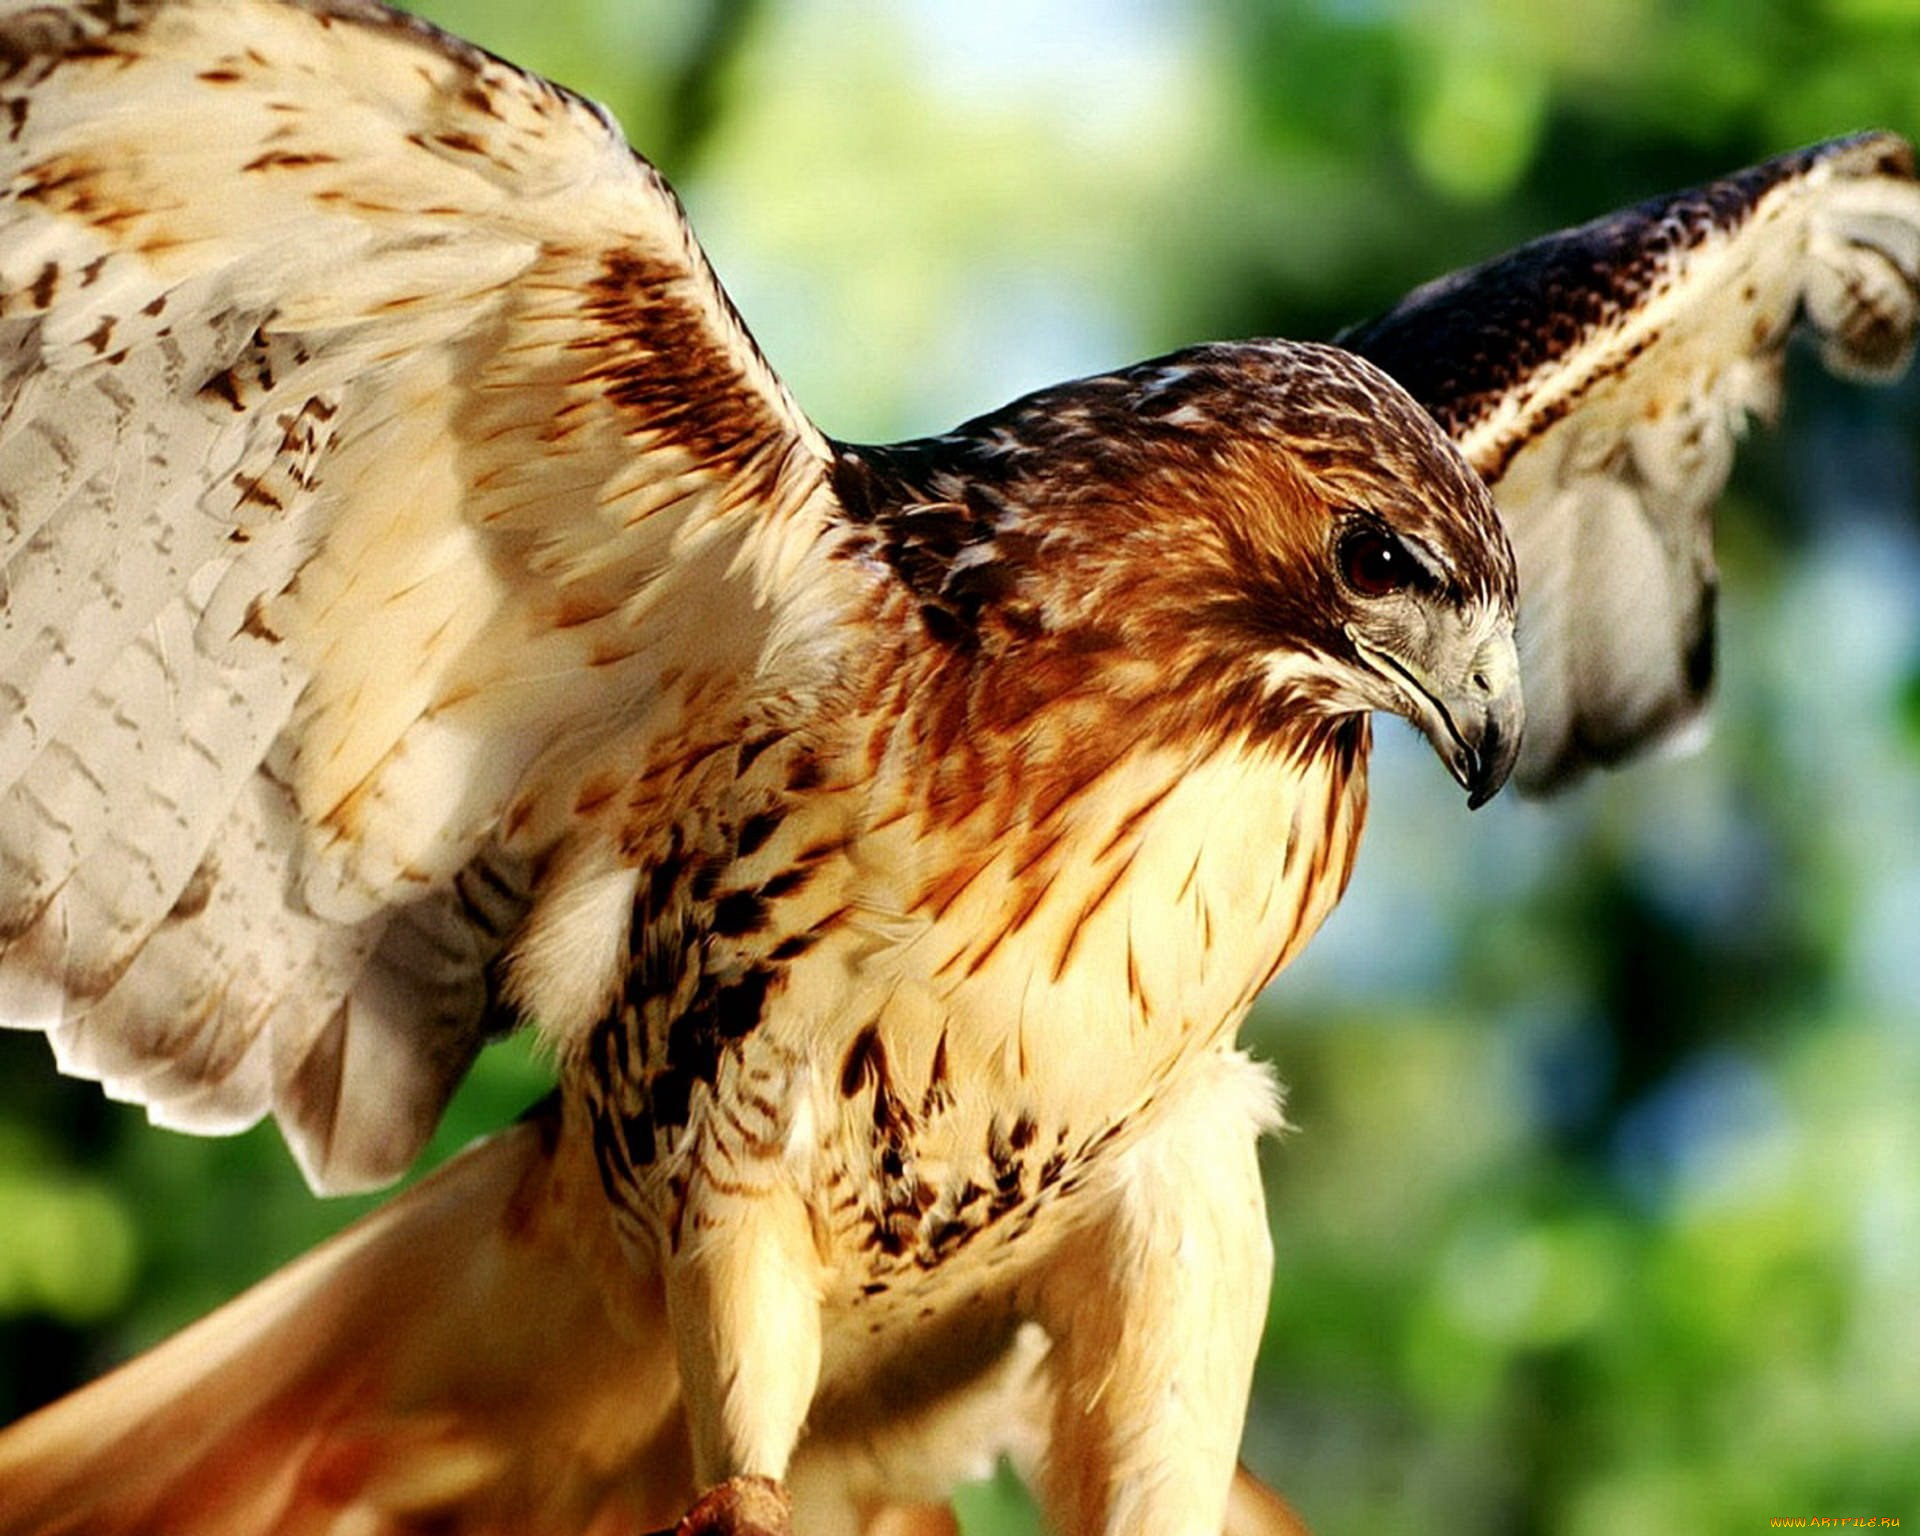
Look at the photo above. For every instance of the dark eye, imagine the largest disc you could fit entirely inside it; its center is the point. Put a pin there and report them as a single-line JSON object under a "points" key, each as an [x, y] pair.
{"points": [[1375, 563]]}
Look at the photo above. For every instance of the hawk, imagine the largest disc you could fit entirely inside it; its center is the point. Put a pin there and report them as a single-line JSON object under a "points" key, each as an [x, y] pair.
{"points": [[426, 613]]}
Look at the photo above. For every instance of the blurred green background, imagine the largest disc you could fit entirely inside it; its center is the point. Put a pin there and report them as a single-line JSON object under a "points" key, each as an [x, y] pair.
{"points": [[1602, 1213]]}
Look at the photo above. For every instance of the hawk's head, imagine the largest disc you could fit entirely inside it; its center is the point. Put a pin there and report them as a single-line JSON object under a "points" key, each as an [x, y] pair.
{"points": [[1238, 536]]}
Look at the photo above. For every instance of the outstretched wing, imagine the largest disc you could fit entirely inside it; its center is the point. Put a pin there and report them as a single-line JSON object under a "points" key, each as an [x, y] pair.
{"points": [[375, 440], [1598, 379]]}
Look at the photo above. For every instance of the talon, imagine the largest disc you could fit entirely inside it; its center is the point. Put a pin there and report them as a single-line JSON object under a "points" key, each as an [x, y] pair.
{"points": [[741, 1506]]}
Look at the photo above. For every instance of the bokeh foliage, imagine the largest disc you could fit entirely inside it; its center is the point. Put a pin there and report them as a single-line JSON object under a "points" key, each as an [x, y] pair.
{"points": [[1602, 1213]]}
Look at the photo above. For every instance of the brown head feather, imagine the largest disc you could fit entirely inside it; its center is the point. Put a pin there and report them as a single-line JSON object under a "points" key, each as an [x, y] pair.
{"points": [[1156, 536]]}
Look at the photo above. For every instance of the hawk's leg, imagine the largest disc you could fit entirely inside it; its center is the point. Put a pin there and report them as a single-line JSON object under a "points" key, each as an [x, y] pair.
{"points": [[744, 1304], [1157, 1313]]}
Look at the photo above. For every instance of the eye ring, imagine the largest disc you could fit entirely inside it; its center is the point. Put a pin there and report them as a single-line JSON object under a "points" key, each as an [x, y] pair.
{"points": [[1374, 563]]}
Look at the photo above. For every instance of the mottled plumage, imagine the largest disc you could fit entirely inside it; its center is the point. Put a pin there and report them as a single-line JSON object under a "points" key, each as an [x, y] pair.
{"points": [[427, 614]]}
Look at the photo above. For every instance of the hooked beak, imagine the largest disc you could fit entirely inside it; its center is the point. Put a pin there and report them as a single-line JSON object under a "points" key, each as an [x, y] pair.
{"points": [[1474, 719]]}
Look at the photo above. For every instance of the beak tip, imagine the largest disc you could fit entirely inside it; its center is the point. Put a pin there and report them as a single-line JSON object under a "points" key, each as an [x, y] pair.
{"points": [[1484, 770]]}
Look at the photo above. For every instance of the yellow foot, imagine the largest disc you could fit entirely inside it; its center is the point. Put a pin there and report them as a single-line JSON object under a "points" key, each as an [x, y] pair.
{"points": [[741, 1506]]}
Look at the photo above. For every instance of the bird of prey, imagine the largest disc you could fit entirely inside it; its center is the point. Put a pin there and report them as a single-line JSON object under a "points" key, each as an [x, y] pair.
{"points": [[427, 614]]}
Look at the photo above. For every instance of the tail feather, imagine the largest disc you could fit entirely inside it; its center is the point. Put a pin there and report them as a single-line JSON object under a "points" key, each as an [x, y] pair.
{"points": [[455, 1361]]}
